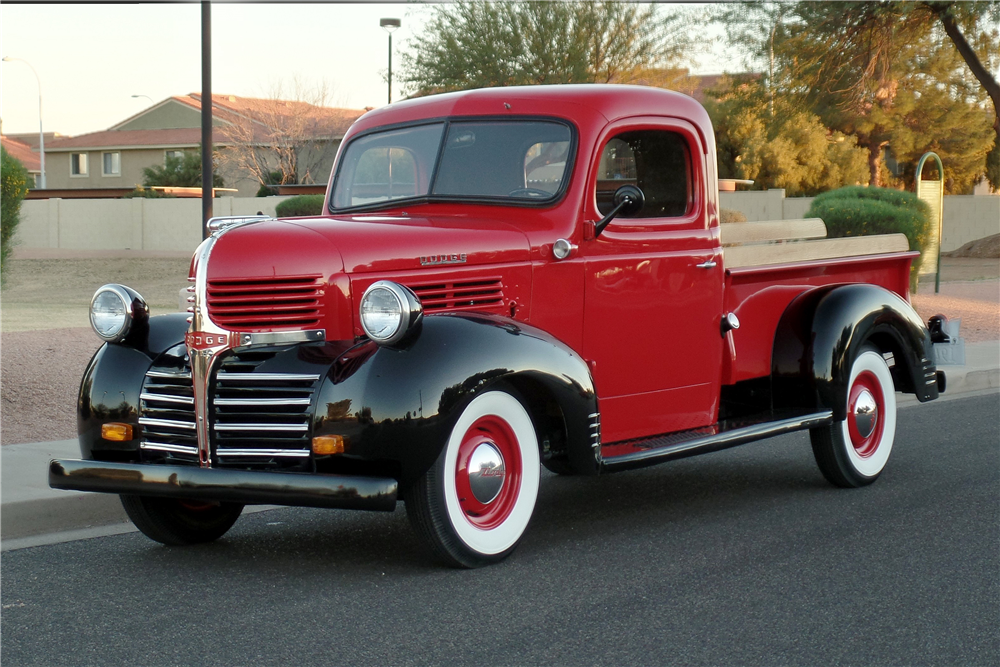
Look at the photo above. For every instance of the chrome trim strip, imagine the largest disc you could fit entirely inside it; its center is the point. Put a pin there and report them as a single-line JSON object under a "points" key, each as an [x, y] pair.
{"points": [[298, 428], [164, 447], [298, 453], [263, 401], [186, 400], [282, 337], [175, 376], [223, 375], [167, 423]]}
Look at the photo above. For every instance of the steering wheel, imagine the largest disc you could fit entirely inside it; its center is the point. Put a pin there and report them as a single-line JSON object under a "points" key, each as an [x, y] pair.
{"points": [[529, 193]]}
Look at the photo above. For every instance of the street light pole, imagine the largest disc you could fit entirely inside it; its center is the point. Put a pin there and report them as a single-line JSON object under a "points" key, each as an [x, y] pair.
{"points": [[41, 133], [390, 25], [134, 97]]}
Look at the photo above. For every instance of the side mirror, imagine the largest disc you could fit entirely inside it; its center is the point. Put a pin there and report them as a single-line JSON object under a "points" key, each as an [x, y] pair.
{"points": [[628, 200]]}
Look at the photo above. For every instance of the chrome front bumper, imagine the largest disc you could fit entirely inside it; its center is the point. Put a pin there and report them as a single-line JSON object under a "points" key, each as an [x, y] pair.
{"points": [[223, 485]]}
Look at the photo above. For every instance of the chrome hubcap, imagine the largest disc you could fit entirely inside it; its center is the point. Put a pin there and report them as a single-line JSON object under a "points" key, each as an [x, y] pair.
{"points": [[486, 473], [865, 413]]}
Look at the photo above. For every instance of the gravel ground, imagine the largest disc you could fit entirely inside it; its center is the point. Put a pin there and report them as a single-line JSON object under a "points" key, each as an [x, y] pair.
{"points": [[40, 368]]}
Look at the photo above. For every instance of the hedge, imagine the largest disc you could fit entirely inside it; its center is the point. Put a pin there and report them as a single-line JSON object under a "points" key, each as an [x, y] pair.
{"points": [[300, 205], [13, 188], [863, 211]]}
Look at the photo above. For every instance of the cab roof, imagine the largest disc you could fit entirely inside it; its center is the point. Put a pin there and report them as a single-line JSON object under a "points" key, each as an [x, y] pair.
{"points": [[576, 102]]}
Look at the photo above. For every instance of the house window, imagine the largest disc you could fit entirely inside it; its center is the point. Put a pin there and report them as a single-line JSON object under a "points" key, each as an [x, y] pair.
{"points": [[112, 164], [78, 164], [177, 154]]}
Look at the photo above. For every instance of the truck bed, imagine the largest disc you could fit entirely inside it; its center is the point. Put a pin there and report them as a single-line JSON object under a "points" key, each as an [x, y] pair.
{"points": [[770, 263]]}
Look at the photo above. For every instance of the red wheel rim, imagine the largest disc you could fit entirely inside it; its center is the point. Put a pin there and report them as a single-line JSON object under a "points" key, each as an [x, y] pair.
{"points": [[865, 446], [495, 431]]}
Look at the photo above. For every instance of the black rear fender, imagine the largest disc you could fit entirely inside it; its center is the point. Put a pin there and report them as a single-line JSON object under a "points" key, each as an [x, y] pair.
{"points": [[823, 330]]}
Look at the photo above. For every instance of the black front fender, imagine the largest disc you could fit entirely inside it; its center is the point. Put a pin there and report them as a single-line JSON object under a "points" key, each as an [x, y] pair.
{"points": [[821, 333], [398, 405], [109, 391]]}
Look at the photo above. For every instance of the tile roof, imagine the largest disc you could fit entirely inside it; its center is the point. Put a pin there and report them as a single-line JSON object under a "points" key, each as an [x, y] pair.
{"points": [[314, 121], [264, 118], [23, 153], [135, 139]]}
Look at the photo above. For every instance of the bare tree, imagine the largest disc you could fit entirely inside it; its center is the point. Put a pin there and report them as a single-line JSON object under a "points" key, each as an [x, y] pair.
{"points": [[289, 136]]}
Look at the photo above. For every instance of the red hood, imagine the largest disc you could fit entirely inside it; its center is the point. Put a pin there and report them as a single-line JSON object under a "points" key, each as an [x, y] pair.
{"points": [[298, 273], [392, 243]]}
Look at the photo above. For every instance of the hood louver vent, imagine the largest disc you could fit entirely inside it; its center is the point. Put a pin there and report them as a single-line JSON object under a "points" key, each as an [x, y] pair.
{"points": [[266, 303], [481, 294]]}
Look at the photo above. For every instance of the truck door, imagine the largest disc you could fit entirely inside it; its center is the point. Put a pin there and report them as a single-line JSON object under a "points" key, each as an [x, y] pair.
{"points": [[653, 292]]}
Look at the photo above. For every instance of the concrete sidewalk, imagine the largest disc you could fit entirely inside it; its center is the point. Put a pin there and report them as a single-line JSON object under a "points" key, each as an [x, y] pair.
{"points": [[30, 509]]}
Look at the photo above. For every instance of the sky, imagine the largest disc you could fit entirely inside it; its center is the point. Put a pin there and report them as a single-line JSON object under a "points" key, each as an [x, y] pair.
{"points": [[91, 59]]}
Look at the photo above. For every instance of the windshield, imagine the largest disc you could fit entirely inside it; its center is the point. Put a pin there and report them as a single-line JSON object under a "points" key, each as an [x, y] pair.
{"points": [[494, 160]]}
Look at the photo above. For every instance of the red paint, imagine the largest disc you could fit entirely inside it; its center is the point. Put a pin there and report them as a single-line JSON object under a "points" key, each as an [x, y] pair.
{"points": [[495, 431], [758, 295], [633, 301], [866, 446]]}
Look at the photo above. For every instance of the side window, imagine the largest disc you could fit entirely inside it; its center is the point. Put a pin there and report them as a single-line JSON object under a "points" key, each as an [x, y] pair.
{"points": [[655, 160]]}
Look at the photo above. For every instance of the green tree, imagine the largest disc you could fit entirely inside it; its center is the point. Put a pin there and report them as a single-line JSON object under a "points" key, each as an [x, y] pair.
{"points": [[478, 43], [13, 188], [865, 69], [182, 172], [779, 145]]}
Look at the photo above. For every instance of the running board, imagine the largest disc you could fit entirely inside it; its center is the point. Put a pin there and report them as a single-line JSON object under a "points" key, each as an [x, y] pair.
{"points": [[641, 453]]}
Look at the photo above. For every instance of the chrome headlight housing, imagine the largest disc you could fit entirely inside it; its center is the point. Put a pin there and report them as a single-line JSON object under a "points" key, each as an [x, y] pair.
{"points": [[389, 311], [115, 311]]}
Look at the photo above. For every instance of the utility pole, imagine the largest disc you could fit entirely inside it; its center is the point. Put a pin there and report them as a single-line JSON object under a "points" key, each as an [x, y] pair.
{"points": [[207, 168]]}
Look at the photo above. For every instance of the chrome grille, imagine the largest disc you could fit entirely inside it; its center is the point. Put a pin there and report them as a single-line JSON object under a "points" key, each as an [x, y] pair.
{"points": [[480, 294], [266, 303], [260, 415], [166, 409]]}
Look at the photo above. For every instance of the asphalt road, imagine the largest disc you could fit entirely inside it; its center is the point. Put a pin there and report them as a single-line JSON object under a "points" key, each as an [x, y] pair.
{"points": [[741, 557]]}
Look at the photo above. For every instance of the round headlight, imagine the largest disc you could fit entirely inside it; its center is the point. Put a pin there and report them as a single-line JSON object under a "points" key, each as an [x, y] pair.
{"points": [[389, 311], [113, 311]]}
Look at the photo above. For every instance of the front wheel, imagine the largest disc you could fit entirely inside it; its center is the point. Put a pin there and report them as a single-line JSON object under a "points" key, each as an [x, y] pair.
{"points": [[473, 505], [180, 522], [853, 452]]}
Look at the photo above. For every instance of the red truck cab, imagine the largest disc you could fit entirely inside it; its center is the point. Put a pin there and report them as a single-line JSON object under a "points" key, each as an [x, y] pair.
{"points": [[502, 279]]}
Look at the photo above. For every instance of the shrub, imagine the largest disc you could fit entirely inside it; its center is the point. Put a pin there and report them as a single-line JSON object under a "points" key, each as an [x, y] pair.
{"points": [[727, 215], [13, 188], [147, 193], [300, 205], [864, 211]]}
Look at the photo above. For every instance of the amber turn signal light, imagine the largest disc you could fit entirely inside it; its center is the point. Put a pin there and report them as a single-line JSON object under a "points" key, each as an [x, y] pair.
{"points": [[328, 444], [116, 432]]}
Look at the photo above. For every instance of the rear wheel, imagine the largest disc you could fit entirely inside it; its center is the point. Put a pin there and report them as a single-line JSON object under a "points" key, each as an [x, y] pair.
{"points": [[853, 452], [180, 522], [473, 505]]}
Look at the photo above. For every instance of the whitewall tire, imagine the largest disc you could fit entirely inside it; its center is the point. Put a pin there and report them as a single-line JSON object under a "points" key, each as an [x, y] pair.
{"points": [[854, 452], [474, 504]]}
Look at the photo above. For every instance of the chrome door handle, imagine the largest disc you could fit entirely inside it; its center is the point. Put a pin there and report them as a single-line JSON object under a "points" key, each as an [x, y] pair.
{"points": [[710, 264]]}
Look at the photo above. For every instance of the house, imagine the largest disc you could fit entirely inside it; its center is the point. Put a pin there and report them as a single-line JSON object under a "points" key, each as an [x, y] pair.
{"points": [[252, 137], [24, 147]]}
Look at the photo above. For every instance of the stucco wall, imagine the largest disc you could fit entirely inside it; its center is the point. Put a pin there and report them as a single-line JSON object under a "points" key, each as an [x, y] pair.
{"points": [[125, 224], [173, 224], [966, 217]]}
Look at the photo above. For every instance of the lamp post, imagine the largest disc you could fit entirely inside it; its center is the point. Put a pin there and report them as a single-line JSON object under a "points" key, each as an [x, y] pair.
{"points": [[390, 26], [146, 96], [41, 134]]}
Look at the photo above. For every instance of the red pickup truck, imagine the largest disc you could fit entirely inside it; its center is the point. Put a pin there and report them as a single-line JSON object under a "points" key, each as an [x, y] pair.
{"points": [[501, 280]]}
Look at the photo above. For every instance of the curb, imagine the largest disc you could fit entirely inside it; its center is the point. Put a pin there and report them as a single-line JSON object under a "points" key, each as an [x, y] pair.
{"points": [[30, 509]]}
